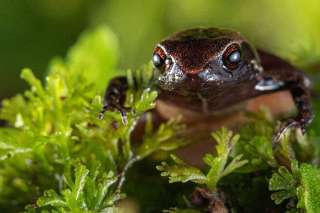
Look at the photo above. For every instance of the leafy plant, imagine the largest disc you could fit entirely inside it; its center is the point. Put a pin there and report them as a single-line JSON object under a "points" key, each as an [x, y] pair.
{"points": [[219, 165], [54, 141], [57, 156], [284, 183], [298, 184], [86, 192]]}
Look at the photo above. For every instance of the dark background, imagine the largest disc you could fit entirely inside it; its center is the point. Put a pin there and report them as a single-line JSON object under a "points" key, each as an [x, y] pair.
{"points": [[34, 31]]}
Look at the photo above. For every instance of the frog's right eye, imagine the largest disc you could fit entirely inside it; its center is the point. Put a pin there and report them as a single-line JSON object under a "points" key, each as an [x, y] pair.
{"points": [[157, 60], [232, 57]]}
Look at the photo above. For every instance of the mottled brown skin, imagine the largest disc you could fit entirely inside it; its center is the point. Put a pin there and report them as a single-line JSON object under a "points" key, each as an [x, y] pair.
{"points": [[197, 70]]}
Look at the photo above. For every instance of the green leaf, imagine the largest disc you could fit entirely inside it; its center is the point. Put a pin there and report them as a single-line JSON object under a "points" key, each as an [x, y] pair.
{"points": [[166, 138], [302, 182], [36, 85], [81, 175], [284, 183], [141, 95], [10, 144], [219, 166], [254, 143], [258, 151], [181, 172], [147, 101], [51, 198], [309, 191], [85, 193]]}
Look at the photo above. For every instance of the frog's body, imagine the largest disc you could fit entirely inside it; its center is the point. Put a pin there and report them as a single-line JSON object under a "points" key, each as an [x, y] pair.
{"points": [[208, 71]]}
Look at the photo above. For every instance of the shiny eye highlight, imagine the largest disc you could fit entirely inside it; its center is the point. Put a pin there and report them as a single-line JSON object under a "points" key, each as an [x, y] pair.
{"points": [[232, 57]]}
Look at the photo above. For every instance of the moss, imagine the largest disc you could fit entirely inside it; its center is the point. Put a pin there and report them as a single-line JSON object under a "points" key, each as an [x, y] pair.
{"points": [[57, 156]]}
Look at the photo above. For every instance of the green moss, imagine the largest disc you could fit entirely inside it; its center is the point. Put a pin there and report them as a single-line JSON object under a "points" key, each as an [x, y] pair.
{"points": [[57, 156]]}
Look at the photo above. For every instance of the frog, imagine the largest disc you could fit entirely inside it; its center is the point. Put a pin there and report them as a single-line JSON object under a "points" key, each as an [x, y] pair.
{"points": [[206, 71]]}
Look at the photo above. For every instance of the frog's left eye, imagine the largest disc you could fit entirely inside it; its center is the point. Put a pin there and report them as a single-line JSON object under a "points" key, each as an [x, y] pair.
{"points": [[159, 58], [232, 57]]}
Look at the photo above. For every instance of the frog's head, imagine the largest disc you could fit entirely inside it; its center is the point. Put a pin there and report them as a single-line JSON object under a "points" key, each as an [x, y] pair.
{"points": [[198, 60]]}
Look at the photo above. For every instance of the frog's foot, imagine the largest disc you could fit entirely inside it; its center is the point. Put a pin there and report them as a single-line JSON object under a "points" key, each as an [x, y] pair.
{"points": [[115, 107], [291, 123]]}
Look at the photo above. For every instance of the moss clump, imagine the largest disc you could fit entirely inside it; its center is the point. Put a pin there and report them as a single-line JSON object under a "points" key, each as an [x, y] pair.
{"points": [[57, 156]]}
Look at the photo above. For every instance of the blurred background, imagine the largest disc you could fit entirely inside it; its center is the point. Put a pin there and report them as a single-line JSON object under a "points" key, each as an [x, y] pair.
{"points": [[34, 31]]}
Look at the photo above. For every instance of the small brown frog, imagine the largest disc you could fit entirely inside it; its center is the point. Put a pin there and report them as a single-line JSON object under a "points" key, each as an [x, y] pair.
{"points": [[208, 71]]}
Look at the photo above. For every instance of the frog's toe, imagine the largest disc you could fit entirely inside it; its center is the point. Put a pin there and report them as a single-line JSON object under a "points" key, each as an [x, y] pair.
{"points": [[115, 107], [284, 127]]}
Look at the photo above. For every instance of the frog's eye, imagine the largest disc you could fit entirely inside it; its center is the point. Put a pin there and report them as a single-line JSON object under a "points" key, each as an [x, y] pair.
{"points": [[161, 60], [232, 57], [157, 60]]}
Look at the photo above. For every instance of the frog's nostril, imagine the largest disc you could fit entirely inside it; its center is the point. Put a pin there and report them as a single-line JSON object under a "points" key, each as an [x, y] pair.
{"points": [[168, 63]]}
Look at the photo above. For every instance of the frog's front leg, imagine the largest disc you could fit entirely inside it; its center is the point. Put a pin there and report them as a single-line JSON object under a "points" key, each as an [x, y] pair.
{"points": [[279, 75], [301, 96], [115, 97]]}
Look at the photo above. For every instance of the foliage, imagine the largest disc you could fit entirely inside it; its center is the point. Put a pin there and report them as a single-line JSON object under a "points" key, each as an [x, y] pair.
{"points": [[181, 172], [308, 191], [239, 157], [300, 183], [57, 156], [219, 165], [85, 193], [254, 142], [54, 141], [284, 183]]}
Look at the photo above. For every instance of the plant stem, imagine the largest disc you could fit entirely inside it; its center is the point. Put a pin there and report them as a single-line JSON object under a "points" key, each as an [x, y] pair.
{"points": [[122, 174]]}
